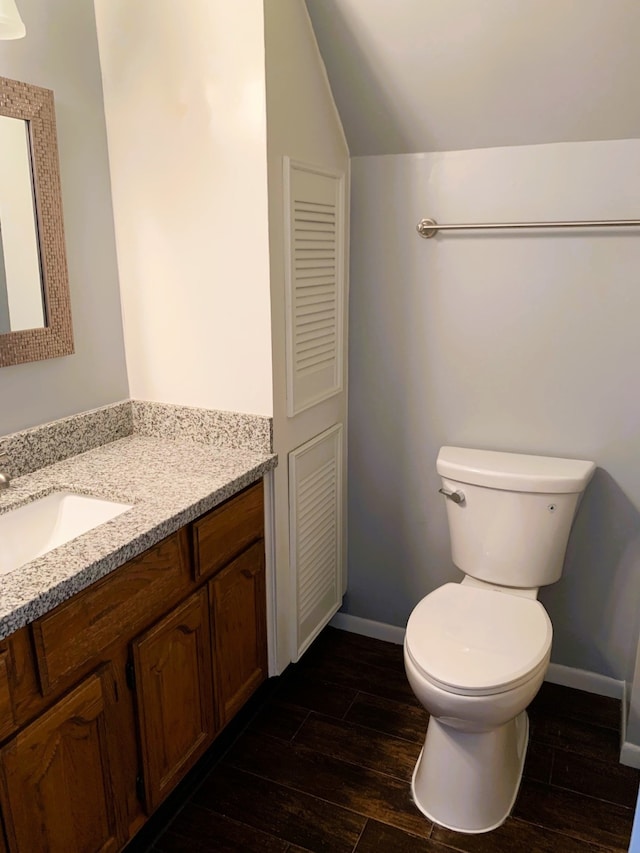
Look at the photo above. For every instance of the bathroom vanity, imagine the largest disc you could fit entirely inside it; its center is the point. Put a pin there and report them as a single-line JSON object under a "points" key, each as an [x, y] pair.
{"points": [[108, 698]]}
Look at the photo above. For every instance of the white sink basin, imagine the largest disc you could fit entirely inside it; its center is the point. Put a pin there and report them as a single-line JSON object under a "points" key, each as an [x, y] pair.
{"points": [[44, 524]]}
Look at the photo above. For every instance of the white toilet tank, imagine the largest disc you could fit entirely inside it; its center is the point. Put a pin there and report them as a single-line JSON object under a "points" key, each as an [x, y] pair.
{"points": [[512, 526]]}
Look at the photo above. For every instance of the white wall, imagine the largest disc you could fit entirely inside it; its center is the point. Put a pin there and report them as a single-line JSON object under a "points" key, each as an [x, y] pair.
{"points": [[302, 122], [522, 342], [60, 52], [185, 106]]}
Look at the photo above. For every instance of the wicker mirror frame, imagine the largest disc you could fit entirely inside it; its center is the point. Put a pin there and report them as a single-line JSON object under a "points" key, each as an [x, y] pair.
{"points": [[35, 106]]}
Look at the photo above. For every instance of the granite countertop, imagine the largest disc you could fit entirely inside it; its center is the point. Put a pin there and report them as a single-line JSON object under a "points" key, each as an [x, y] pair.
{"points": [[169, 483]]}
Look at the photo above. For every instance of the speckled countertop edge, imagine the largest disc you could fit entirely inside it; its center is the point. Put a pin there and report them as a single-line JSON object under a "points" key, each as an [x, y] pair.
{"points": [[169, 483]]}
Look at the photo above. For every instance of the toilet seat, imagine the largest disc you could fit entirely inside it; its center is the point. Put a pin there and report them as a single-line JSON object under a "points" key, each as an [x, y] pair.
{"points": [[478, 642]]}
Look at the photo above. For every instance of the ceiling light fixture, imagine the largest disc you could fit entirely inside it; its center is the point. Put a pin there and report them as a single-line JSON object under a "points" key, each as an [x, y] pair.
{"points": [[11, 25]]}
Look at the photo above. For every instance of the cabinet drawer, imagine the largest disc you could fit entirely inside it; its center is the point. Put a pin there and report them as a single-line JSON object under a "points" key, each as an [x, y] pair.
{"points": [[223, 533], [117, 606]]}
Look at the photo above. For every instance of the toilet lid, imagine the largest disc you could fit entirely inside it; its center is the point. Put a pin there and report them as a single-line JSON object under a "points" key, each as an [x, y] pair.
{"points": [[478, 641]]}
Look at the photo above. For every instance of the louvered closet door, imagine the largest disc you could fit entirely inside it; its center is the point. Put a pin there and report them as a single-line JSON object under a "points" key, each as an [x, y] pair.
{"points": [[316, 509], [314, 284], [315, 224]]}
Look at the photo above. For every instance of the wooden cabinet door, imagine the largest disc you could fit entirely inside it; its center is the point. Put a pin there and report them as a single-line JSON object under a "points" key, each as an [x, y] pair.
{"points": [[56, 783], [238, 606], [174, 695]]}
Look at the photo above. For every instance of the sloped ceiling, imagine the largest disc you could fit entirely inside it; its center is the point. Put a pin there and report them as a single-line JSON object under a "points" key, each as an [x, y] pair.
{"points": [[439, 75]]}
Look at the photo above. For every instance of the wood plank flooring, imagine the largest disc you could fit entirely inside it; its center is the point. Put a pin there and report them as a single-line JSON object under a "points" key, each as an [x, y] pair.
{"points": [[325, 765]]}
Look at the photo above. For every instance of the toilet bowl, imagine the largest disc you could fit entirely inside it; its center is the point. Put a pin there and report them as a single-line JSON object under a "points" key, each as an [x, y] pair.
{"points": [[476, 652], [473, 652], [475, 658]]}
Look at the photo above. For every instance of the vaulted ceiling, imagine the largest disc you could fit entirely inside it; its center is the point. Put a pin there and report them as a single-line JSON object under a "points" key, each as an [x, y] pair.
{"points": [[439, 75]]}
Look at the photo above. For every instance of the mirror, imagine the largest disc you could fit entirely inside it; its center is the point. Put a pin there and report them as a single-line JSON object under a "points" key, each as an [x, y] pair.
{"points": [[35, 311], [21, 302]]}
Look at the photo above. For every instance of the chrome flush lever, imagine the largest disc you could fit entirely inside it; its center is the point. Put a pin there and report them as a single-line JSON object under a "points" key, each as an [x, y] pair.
{"points": [[457, 497]]}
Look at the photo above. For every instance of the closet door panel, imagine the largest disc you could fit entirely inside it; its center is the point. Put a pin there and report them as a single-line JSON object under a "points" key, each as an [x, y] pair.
{"points": [[316, 512]]}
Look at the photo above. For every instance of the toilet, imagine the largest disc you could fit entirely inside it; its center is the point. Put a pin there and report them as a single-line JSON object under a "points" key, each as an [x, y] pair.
{"points": [[476, 652]]}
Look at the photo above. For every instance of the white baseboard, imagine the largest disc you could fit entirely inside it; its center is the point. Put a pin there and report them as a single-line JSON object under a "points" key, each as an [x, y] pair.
{"points": [[368, 628], [582, 679], [629, 752], [630, 755], [567, 676]]}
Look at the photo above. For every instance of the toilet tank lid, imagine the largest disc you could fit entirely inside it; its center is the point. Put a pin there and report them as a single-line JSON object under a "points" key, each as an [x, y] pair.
{"points": [[516, 472]]}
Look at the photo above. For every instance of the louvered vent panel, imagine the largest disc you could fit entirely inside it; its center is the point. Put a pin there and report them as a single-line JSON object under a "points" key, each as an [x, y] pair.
{"points": [[315, 241], [315, 499]]}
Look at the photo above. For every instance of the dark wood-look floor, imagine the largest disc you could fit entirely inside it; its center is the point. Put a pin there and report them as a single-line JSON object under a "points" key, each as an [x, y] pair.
{"points": [[325, 765]]}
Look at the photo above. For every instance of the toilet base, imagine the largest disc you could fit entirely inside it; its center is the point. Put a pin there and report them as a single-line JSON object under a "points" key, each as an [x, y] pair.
{"points": [[468, 781]]}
